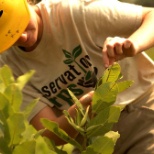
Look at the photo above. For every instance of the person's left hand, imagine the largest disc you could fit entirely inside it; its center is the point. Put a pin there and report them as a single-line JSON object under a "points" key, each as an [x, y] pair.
{"points": [[117, 48]]}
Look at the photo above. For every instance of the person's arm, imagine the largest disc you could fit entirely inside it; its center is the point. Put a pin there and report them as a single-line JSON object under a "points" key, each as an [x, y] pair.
{"points": [[57, 116], [117, 48]]}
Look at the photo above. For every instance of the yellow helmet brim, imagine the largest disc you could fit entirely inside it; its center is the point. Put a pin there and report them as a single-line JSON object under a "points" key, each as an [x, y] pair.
{"points": [[14, 18]]}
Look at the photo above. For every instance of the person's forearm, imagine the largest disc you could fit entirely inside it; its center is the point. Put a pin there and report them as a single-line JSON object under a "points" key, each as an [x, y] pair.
{"points": [[143, 38], [63, 124], [57, 116]]}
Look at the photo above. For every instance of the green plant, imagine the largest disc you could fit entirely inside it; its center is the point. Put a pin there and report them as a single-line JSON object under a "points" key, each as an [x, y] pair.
{"points": [[18, 136], [95, 127]]}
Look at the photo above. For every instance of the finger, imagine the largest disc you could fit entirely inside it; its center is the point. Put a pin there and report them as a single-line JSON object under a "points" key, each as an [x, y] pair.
{"points": [[105, 58], [118, 49], [110, 50], [127, 44], [87, 98], [111, 61], [128, 49]]}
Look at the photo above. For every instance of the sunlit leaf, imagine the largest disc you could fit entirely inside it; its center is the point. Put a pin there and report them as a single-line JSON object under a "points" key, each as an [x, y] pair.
{"points": [[124, 85], [111, 74], [105, 95], [42, 147], [103, 144], [14, 95], [6, 75], [16, 128], [22, 80], [25, 148], [28, 109]]}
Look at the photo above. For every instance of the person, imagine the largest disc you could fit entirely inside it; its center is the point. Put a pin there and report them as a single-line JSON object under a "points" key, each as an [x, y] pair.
{"points": [[69, 43]]}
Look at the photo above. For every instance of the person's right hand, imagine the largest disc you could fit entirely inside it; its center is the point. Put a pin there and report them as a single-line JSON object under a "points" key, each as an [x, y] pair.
{"points": [[117, 48]]}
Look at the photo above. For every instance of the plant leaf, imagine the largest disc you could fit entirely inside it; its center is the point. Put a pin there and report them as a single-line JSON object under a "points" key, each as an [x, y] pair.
{"points": [[103, 144], [16, 127], [77, 102], [124, 85], [53, 127], [6, 76], [14, 95], [22, 80], [25, 148], [112, 73], [104, 96]]}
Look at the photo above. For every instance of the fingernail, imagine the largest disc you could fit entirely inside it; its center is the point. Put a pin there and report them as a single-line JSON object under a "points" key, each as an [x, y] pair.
{"points": [[127, 45], [106, 65]]}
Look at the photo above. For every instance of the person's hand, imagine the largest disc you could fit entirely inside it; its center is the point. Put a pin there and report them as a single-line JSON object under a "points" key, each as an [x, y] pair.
{"points": [[117, 48], [86, 100]]}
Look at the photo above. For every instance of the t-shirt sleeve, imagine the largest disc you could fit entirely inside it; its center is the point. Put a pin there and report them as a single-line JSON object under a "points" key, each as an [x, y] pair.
{"points": [[104, 18], [29, 95]]}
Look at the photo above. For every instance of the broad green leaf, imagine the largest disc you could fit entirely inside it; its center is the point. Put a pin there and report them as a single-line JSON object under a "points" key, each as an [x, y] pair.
{"points": [[29, 133], [112, 73], [6, 75], [22, 80], [103, 144], [5, 108], [27, 111], [1, 129], [25, 148], [105, 95], [16, 127], [124, 85], [14, 95], [53, 147], [100, 118], [2, 87], [3, 101], [53, 127], [4, 149], [104, 121], [42, 147], [114, 113], [98, 130]]}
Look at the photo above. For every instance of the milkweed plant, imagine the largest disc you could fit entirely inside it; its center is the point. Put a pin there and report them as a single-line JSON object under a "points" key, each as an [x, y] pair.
{"points": [[94, 124]]}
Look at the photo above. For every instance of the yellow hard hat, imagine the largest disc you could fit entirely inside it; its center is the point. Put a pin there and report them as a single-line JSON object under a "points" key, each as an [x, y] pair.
{"points": [[14, 18]]}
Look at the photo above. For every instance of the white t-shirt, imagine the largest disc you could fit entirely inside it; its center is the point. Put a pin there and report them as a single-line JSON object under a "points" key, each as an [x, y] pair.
{"points": [[69, 54]]}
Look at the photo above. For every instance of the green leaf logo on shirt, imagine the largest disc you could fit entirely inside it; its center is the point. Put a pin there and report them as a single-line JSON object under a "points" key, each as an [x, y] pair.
{"points": [[89, 79]]}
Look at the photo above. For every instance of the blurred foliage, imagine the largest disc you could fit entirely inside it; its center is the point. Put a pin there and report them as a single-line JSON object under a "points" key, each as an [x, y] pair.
{"points": [[17, 136]]}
